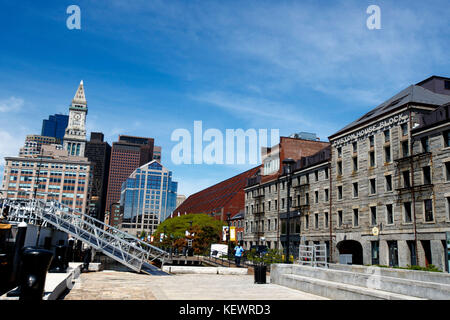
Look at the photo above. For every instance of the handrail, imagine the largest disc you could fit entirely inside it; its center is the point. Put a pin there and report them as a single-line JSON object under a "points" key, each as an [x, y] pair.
{"points": [[113, 242]]}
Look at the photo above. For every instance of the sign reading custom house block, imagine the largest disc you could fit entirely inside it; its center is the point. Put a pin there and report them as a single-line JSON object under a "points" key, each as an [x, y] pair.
{"points": [[371, 130]]}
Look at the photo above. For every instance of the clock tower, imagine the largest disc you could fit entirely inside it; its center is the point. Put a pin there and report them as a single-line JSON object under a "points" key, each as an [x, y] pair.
{"points": [[75, 135]]}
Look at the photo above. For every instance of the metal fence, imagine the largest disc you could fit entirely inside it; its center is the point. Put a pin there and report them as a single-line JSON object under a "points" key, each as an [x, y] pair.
{"points": [[315, 255]]}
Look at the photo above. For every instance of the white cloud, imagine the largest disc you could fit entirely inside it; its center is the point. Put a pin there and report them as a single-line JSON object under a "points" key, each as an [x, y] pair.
{"points": [[11, 104]]}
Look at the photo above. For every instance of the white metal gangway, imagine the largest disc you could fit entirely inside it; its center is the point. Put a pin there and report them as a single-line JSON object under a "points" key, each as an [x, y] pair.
{"points": [[119, 245]]}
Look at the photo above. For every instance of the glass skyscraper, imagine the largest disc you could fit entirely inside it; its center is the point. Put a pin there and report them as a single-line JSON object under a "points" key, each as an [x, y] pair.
{"points": [[148, 197], [55, 126]]}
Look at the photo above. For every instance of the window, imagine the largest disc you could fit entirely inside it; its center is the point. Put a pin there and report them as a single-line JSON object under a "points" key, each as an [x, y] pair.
{"points": [[355, 146], [407, 211], [388, 180], [340, 192], [307, 198], [447, 84], [269, 206], [339, 152], [447, 171], [339, 167], [316, 196], [446, 138], [355, 163], [448, 208], [306, 222], [425, 144], [372, 158], [282, 203], [405, 148], [389, 214], [387, 136], [406, 182], [326, 219], [428, 206], [316, 175], [371, 141], [373, 215], [426, 175], [276, 205], [404, 127], [326, 173], [326, 195], [355, 217], [387, 154], [373, 188], [316, 220], [340, 218], [355, 189]]}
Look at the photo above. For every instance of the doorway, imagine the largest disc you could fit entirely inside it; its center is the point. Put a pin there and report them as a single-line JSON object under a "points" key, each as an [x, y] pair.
{"points": [[351, 247], [393, 253]]}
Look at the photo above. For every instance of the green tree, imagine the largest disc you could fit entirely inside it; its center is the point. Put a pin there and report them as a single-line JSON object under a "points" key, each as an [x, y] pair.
{"points": [[206, 230]]}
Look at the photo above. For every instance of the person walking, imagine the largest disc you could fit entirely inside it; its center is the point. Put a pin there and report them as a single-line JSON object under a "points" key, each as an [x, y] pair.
{"points": [[238, 251]]}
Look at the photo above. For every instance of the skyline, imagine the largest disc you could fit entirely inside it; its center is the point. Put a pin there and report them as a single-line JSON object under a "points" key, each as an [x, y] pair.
{"points": [[293, 67]]}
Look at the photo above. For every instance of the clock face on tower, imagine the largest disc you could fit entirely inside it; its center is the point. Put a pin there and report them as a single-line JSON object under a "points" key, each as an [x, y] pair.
{"points": [[77, 116]]}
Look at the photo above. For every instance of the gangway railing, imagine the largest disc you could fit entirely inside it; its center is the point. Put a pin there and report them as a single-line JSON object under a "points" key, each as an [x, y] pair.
{"points": [[117, 244], [315, 255]]}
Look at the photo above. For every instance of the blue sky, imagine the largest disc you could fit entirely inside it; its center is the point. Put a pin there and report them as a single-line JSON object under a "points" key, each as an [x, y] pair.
{"points": [[150, 67]]}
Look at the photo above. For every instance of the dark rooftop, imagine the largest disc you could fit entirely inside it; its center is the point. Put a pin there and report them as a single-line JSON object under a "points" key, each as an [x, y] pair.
{"points": [[412, 94]]}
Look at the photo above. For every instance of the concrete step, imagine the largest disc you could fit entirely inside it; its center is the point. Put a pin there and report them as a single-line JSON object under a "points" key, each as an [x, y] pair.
{"points": [[373, 279], [336, 290], [436, 277]]}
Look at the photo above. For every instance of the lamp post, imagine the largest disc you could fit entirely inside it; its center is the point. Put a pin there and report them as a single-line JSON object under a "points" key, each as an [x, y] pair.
{"points": [[228, 233], [288, 163]]}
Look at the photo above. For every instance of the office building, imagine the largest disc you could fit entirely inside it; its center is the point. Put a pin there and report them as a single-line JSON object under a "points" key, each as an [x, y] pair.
{"points": [[98, 153], [127, 154], [33, 144], [55, 126], [148, 197], [52, 175]]}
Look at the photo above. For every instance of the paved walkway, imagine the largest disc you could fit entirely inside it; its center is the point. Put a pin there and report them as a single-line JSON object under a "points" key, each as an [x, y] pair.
{"points": [[112, 285]]}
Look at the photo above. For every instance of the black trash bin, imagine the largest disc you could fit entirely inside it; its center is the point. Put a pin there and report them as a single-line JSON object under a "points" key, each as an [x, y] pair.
{"points": [[34, 271], [260, 273]]}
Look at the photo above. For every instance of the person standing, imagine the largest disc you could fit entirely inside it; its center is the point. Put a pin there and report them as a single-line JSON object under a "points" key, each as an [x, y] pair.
{"points": [[239, 250], [87, 258]]}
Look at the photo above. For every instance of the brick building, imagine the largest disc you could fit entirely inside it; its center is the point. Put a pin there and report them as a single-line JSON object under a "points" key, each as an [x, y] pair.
{"points": [[127, 154], [218, 200], [52, 175], [265, 198]]}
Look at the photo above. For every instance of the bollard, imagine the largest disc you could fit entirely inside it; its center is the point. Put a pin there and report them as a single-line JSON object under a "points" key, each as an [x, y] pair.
{"points": [[19, 242], [59, 260], [16, 292], [69, 255], [35, 266], [78, 252]]}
